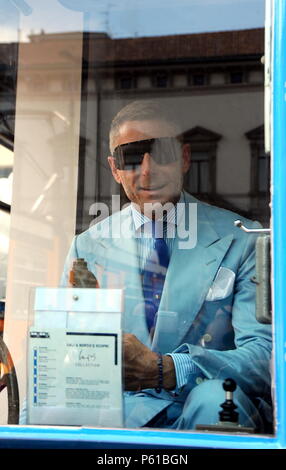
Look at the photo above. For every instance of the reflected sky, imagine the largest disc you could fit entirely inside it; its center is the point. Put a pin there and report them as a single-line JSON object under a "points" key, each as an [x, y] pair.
{"points": [[127, 18]]}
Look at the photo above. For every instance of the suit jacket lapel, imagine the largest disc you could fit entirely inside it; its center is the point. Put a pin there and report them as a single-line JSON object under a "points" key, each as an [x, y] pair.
{"points": [[189, 277]]}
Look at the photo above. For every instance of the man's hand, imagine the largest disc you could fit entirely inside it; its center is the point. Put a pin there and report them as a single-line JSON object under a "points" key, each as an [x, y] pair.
{"points": [[140, 366]]}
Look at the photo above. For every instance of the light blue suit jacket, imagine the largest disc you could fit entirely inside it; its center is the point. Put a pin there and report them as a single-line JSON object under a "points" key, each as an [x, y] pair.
{"points": [[221, 335]]}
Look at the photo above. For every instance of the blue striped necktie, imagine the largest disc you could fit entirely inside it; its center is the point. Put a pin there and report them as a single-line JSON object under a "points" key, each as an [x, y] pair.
{"points": [[153, 275]]}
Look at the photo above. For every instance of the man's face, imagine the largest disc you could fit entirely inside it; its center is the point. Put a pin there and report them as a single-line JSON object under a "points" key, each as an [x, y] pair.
{"points": [[150, 182]]}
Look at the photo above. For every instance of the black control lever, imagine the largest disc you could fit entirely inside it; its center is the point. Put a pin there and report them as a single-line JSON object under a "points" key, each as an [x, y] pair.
{"points": [[228, 417]]}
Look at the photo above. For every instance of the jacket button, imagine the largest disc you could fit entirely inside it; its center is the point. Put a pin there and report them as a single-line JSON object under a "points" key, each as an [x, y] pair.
{"points": [[199, 380], [207, 338]]}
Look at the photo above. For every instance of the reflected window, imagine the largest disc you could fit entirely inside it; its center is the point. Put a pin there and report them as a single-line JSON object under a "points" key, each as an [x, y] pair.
{"points": [[263, 165], [125, 81], [201, 178], [161, 80], [199, 175], [260, 162], [199, 79], [260, 172], [236, 77]]}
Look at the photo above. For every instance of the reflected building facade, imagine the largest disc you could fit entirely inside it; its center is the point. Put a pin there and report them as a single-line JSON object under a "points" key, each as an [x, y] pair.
{"points": [[214, 82]]}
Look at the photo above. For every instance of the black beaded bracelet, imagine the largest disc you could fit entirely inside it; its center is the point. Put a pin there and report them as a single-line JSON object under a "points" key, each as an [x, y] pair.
{"points": [[160, 372]]}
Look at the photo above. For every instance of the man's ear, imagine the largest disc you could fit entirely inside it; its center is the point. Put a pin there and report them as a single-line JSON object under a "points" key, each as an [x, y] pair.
{"points": [[186, 155], [114, 170]]}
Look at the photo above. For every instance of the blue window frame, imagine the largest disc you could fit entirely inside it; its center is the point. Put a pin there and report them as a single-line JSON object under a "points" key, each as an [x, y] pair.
{"points": [[33, 436]]}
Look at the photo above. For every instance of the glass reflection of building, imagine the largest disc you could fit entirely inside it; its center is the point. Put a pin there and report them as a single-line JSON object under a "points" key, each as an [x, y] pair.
{"points": [[222, 67]]}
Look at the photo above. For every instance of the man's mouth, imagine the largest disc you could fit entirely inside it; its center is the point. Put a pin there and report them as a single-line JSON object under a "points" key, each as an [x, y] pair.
{"points": [[151, 188]]}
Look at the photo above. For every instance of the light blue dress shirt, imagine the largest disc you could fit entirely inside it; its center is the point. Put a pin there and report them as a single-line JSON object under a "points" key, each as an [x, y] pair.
{"points": [[184, 366]]}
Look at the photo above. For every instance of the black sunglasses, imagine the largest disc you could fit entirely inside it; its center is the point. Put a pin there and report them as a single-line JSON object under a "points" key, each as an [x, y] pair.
{"points": [[163, 150]]}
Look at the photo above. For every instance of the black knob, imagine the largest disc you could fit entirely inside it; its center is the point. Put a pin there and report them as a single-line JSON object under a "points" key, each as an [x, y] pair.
{"points": [[228, 413], [229, 385]]}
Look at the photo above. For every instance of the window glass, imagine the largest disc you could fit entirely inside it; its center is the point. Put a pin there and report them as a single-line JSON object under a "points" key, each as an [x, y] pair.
{"points": [[8, 60], [6, 179], [136, 142], [199, 175]]}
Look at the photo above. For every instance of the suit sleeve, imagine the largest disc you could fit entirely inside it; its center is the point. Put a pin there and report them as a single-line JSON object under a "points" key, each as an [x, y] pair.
{"points": [[249, 364]]}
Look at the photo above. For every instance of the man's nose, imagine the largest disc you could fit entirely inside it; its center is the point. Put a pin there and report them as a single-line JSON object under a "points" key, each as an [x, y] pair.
{"points": [[148, 164]]}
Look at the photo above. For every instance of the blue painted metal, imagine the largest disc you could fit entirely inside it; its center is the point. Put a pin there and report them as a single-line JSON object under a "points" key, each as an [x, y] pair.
{"points": [[73, 437], [279, 211], [17, 436]]}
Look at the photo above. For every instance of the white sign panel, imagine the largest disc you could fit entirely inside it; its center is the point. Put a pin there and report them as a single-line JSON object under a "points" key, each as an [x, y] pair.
{"points": [[75, 371]]}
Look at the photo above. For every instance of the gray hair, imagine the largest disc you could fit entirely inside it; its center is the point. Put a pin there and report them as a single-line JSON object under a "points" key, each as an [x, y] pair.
{"points": [[144, 110]]}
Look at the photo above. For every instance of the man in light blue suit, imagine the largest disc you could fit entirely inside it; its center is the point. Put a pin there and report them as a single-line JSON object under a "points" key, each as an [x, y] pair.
{"points": [[205, 328]]}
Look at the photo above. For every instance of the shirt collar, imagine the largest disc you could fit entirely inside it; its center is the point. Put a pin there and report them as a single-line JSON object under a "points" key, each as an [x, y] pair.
{"points": [[140, 219]]}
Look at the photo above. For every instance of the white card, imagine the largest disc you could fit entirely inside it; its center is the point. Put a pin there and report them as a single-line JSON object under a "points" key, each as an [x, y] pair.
{"points": [[75, 371]]}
